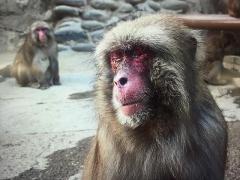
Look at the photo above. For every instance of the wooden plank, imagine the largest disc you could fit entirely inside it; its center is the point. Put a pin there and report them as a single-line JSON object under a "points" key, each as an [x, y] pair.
{"points": [[211, 21]]}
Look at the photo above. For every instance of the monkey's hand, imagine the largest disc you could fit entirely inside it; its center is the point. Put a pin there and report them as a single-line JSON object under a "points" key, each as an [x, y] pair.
{"points": [[57, 83], [44, 86]]}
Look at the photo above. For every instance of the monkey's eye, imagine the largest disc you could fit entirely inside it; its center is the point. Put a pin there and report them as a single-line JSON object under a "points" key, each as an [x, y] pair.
{"points": [[116, 56], [42, 29], [115, 59], [132, 54], [136, 52], [140, 51]]}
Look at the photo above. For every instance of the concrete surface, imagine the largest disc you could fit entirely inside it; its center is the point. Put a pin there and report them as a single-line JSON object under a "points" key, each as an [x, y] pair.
{"points": [[35, 123], [45, 134]]}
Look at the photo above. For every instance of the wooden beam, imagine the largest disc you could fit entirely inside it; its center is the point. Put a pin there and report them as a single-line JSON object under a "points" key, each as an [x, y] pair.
{"points": [[211, 21]]}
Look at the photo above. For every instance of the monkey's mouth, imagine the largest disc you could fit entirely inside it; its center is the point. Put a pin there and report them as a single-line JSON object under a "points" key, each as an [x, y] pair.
{"points": [[131, 108]]}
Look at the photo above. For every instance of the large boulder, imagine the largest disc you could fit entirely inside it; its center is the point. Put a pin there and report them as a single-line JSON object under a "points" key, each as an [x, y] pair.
{"points": [[70, 31], [92, 25], [75, 3], [135, 2], [104, 4], [65, 11], [175, 5], [94, 14]]}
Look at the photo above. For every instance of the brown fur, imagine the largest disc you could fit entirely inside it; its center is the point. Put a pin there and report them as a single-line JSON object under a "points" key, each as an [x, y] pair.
{"points": [[218, 45], [36, 63], [234, 8], [184, 137]]}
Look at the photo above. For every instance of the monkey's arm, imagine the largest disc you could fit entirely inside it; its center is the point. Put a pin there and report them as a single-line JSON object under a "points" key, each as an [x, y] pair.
{"points": [[54, 70], [212, 129], [92, 162]]}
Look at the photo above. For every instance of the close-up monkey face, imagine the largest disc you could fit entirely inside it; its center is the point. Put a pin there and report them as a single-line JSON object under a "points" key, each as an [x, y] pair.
{"points": [[147, 71], [130, 66], [41, 33]]}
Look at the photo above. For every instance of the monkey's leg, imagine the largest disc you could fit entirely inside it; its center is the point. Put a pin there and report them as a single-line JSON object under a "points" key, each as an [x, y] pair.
{"points": [[41, 79], [40, 71], [44, 80], [215, 75], [22, 74], [55, 71]]}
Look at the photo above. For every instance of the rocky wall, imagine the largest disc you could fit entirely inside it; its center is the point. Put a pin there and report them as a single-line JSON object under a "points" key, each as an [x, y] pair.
{"points": [[16, 16], [80, 24]]}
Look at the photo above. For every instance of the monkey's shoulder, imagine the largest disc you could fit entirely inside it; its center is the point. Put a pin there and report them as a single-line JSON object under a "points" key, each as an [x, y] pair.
{"points": [[210, 117]]}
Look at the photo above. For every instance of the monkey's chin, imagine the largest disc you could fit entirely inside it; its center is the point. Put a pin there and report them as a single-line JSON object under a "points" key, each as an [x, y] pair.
{"points": [[131, 109], [132, 117]]}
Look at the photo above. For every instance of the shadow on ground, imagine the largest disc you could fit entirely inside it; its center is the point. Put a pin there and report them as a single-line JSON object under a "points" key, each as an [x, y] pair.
{"points": [[66, 163], [62, 164]]}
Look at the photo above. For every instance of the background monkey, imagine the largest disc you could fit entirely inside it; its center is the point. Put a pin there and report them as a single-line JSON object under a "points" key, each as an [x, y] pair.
{"points": [[218, 45], [157, 119], [221, 43], [36, 62]]}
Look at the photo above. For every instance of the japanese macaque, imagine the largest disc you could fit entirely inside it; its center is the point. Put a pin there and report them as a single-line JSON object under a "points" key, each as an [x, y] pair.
{"points": [[234, 8], [218, 45], [36, 62], [157, 119]]}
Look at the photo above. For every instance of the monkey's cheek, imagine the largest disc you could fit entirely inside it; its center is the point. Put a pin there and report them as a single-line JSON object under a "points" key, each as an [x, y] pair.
{"points": [[130, 110]]}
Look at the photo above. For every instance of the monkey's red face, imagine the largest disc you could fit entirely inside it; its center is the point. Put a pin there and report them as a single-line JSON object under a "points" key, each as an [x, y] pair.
{"points": [[130, 67], [41, 34]]}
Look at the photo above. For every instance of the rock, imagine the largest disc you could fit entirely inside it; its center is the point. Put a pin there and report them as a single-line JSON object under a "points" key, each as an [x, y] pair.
{"points": [[96, 36], [84, 47], [104, 4], [113, 21], [75, 3], [94, 14], [9, 8], [92, 25], [62, 47], [144, 7], [132, 16], [22, 3], [195, 6], [154, 5], [209, 7], [68, 31], [168, 11], [125, 8], [175, 5], [232, 63], [63, 11], [68, 21], [135, 2], [48, 15]]}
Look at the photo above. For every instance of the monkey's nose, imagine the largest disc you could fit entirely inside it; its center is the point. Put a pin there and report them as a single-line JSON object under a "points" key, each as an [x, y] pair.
{"points": [[121, 82]]}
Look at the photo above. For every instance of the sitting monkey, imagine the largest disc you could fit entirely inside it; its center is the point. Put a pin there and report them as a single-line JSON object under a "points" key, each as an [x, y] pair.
{"points": [[36, 62]]}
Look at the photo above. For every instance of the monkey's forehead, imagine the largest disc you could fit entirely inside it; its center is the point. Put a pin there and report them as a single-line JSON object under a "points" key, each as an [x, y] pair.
{"points": [[153, 31], [39, 24]]}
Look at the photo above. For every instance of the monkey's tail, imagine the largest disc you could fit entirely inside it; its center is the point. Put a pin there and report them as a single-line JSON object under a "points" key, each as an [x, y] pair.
{"points": [[6, 71]]}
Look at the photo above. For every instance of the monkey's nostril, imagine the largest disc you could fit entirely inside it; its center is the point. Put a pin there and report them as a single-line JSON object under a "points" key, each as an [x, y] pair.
{"points": [[123, 81]]}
